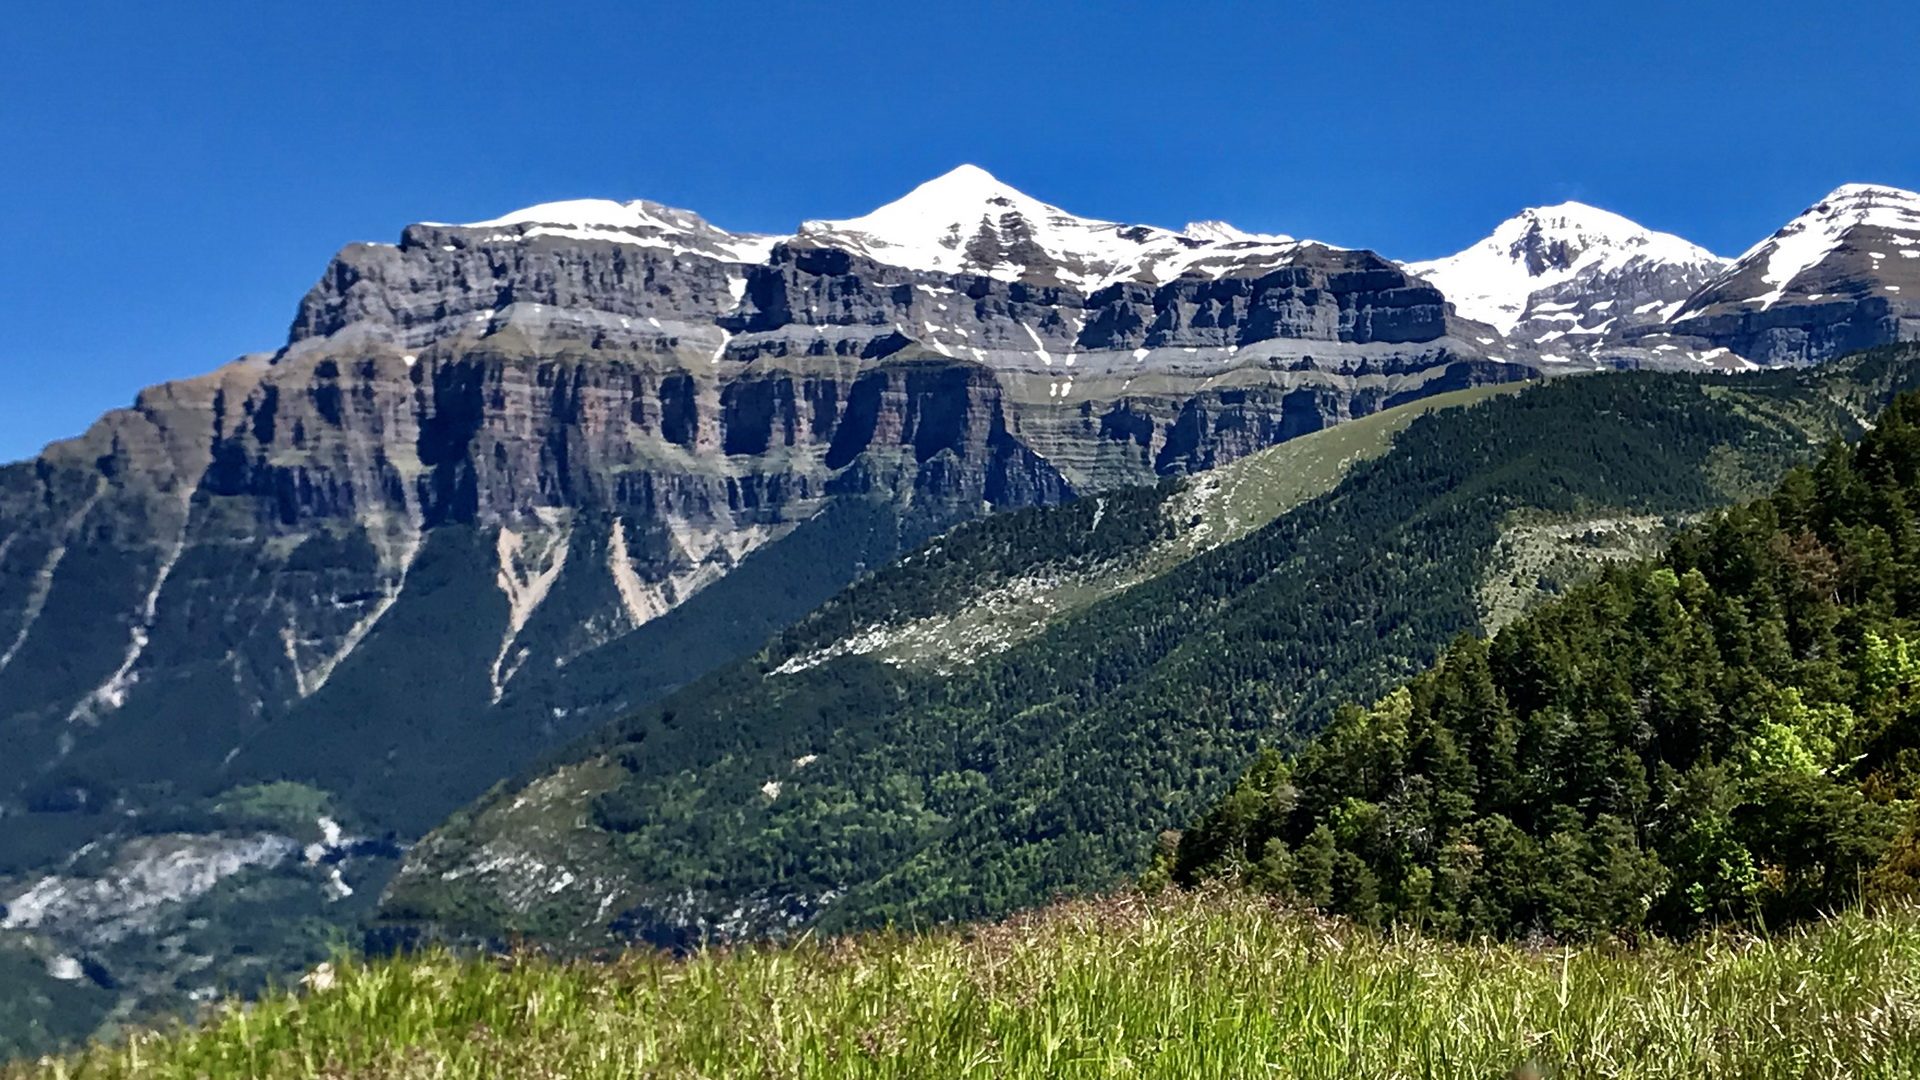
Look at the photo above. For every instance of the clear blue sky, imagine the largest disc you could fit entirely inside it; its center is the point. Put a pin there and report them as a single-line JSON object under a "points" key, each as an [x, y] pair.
{"points": [[174, 176]]}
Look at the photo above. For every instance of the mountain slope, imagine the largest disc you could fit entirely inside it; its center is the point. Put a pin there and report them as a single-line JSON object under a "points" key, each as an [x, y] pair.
{"points": [[981, 590], [1843, 275], [816, 784], [1728, 732]]}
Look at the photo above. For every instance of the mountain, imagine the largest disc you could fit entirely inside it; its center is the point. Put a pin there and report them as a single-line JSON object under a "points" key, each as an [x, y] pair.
{"points": [[1567, 279], [966, 221], [1843, 275], [1021, 706], [1727, 732], [510, 480]]}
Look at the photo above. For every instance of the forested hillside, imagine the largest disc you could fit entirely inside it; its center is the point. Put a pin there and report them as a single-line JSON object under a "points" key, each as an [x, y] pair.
{"points": [[824, 787], [1731, 731]]}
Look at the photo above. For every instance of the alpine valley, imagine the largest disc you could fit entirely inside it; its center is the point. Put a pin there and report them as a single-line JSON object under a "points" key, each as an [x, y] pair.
{"points": [[549, 579]]}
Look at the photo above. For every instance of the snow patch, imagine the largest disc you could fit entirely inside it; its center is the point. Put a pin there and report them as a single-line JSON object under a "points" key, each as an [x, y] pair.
{"points": [[639, 223], [65, 968], [112, 694]]}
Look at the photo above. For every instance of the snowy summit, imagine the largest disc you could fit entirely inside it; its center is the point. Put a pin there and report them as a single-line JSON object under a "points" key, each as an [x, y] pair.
{"points": [[1542, 247], [968, 221], [642, 222]]}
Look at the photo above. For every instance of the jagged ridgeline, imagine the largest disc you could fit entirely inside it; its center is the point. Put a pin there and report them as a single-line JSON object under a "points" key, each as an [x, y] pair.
{"points": [[1022, 706], [1729, 731]]}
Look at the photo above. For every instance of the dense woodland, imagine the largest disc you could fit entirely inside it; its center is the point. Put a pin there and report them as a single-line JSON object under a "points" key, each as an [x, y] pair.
{"points": [[1052, 766], [1729, 732]]}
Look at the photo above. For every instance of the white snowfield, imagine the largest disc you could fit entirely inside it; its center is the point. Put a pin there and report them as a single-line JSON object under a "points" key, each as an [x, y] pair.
{"points": [[1541, 247], [1805, 242]]}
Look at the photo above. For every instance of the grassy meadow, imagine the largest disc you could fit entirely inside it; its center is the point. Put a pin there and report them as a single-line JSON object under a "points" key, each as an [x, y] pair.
{"points": [[1191, 985]]}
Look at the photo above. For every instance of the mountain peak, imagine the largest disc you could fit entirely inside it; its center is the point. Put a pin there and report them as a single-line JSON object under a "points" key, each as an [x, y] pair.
{"points": [[966, 178], [640, 222], [1866, 196], [1573, 214], [1582, 228], [964, 189], [967, 220], [1542, 247], [930, 226]]}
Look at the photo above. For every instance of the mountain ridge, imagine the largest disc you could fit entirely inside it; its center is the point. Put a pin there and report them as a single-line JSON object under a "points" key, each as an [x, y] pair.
{"points": [[1564, 284]]}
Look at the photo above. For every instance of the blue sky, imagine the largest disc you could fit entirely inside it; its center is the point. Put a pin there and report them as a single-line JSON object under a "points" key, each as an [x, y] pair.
{"points": [[173, 177]]}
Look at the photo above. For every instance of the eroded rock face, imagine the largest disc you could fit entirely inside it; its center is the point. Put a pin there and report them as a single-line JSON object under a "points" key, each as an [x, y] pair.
{"points": [[439, 277], [328, 472], [1328, 295], [1806, 332]]}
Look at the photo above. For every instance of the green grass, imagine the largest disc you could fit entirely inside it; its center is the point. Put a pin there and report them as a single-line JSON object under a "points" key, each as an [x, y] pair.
{"points": [[1203, 985]]}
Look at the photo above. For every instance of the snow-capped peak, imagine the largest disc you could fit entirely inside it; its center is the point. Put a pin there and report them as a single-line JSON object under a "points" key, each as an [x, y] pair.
{"points": [[579, 213], [1541, 247], [963, 221], [641, 222], [949, 202], [1809, 239], [967, 221]]}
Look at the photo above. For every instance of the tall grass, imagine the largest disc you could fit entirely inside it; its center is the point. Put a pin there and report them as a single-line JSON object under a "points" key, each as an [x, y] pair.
{"points": [[1182, 985]]}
